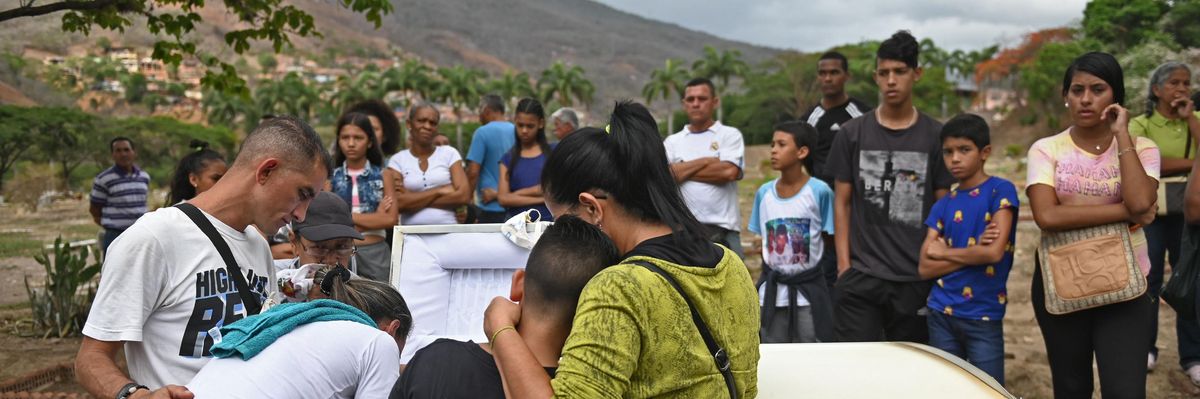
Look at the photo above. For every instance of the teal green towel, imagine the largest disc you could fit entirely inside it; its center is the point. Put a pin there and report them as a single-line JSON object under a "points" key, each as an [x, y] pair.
{"points": [[249, 336]]}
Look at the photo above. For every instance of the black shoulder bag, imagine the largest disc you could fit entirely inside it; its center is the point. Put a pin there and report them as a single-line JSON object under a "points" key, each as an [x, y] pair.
{"points": [[251, 302], [720, 357]]}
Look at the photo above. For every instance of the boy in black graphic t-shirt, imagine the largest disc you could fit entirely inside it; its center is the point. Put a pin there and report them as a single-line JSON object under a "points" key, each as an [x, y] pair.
{"points": [[888, 172], [566, 256]]}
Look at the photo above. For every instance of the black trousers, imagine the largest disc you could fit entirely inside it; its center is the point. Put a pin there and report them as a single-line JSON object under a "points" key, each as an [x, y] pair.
{"points": [[492, 217], [1115, 334], [870, 309]]}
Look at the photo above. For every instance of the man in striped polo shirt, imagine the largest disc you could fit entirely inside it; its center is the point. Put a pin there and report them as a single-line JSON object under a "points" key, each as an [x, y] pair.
{"points": [[119, 193]]}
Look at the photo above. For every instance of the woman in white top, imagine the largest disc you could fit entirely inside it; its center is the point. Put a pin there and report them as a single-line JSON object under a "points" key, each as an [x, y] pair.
{"points": [[325, 359], [434, 182]]}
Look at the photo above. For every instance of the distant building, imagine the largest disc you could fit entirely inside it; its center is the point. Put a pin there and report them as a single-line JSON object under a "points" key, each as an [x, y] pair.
{"points": [[153, 69], [999, 95], [43, 56], [189, 73], [126, 56]]}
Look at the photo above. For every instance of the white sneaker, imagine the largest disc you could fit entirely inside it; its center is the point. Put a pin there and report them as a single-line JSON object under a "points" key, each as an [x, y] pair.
{"points": [[1194, 373], [1151, 361]]}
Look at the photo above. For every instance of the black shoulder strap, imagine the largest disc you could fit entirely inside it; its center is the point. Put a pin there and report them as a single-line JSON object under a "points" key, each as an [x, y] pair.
{"points": [[718, 353], [249, 300], [1187, 148]]}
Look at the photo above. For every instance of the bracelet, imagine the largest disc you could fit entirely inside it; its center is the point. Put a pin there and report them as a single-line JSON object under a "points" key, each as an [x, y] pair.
{"points": [[128, 390], [497, 333], [1122, 152]]}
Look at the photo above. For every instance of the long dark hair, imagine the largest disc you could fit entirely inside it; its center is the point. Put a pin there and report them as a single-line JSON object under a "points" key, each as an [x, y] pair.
{"points": [[193, 162], [628, 161], [360, 120], [387, 121], [533, 107], [379, 300]]}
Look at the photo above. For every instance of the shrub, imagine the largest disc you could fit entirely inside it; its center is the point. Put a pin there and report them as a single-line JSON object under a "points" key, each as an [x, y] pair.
{"points": [[1013, 150], [59, 309]]}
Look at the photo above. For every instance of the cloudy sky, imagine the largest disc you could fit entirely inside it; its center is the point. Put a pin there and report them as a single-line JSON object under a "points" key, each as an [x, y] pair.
{"points": [[814, 25]]}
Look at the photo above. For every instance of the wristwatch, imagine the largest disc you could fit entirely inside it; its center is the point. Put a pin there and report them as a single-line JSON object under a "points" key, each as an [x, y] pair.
{"points": [[129, 389]]}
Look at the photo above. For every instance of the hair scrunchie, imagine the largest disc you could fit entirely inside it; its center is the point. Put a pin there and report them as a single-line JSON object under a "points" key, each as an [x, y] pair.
{"points": [[337, 272]]}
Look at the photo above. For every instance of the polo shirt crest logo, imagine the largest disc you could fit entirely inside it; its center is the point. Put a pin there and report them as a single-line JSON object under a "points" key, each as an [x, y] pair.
{"points": [[714, 146]]}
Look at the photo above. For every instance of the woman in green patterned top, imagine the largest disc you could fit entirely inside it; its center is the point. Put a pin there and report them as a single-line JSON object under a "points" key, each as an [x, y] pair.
{"points": [[633, 334]]}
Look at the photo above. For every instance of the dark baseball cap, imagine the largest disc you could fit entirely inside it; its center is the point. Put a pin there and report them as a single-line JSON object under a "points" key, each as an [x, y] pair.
{"points": [[328, 218]]}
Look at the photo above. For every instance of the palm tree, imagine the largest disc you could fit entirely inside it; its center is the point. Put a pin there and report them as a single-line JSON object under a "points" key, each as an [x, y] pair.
{"points": [[223, 108], [720, 66], [289, 96], [565, 84], [458, 86], [365, 85], [412, 77], [666, 83], [512, 86], [932, 54]]}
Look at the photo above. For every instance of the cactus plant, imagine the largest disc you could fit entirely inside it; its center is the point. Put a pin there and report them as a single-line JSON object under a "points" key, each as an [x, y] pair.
{"points": [[59, 308]]}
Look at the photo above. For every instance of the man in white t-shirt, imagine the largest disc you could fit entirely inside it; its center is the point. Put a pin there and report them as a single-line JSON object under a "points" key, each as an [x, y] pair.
{"points": [[707, 160], [164, 286]]}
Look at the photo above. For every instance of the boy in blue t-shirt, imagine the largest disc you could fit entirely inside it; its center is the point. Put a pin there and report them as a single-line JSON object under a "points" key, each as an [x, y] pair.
{"points": [[794, 216], [969, 249]]}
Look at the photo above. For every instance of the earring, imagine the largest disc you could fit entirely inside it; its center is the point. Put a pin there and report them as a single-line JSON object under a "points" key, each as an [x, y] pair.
{"points": [[1068, 105]]}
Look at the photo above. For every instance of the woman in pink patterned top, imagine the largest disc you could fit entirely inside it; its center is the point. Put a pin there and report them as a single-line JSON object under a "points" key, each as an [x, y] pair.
{"points": [[1091, 174]]}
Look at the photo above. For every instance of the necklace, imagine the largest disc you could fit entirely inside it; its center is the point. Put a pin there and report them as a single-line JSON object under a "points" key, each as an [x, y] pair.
{"points": [[911, 121], [1098, 146]]}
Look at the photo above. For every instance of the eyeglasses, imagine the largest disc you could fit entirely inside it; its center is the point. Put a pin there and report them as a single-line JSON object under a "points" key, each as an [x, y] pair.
{"points": [[318, 252]]}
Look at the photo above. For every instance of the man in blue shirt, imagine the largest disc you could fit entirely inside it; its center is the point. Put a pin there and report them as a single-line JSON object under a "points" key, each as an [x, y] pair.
{"points": [[495, 137]]}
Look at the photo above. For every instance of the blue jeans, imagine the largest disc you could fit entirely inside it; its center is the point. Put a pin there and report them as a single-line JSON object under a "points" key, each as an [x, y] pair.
{"points": [[110, 235], [979, 342]]}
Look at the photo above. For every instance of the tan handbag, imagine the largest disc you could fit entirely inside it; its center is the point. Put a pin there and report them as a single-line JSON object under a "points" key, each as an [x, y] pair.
{"points": [[1089, 267]]}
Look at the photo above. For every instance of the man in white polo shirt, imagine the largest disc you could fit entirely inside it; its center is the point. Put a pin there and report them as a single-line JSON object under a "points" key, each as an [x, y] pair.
{"points": [[707, 159]]}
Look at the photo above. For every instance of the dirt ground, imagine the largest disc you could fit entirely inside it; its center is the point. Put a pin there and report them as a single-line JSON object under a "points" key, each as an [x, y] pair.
{"points": [[1027, 372]]}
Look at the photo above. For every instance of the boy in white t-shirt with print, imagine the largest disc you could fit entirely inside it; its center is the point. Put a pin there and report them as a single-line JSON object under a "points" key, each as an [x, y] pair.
{"points": [[794, 216]]}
